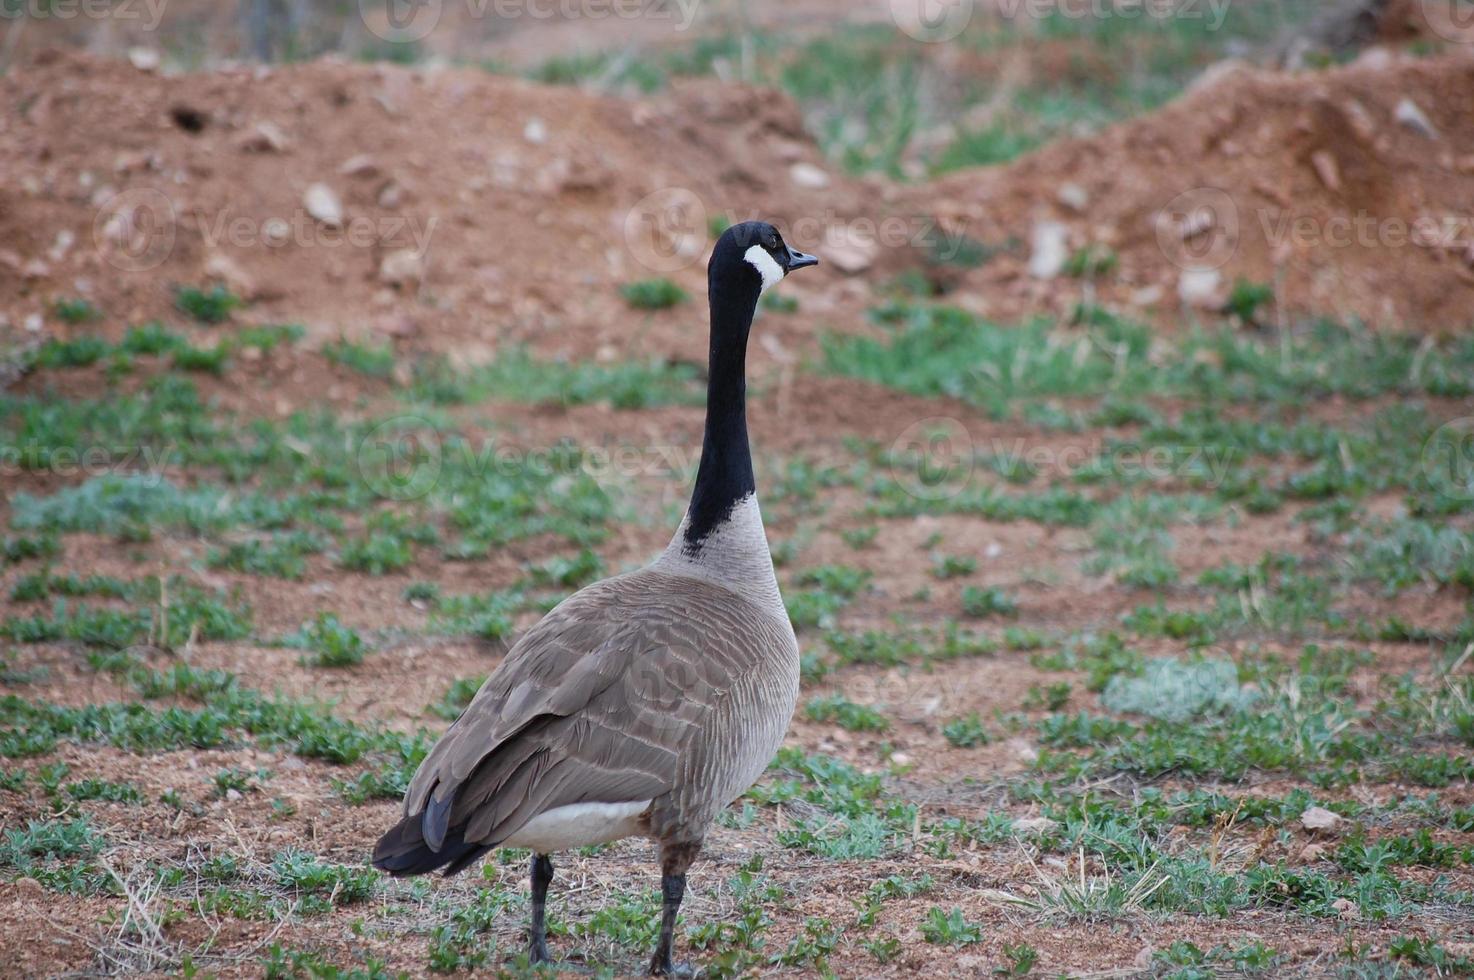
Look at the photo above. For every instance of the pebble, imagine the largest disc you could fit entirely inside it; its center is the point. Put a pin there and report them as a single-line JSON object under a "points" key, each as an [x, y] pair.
{"points": [[851, 258], [1412, 117], [808, 176], [1201, 289], [264, 137], [144, 59], [361, 165], [1051, 250], [1073, 196], [1318, 818], [402, 267], [1327, 170], [322, 203]]}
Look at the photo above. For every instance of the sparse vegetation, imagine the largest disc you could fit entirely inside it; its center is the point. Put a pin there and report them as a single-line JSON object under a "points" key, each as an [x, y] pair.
{"points": [[653, 294], [1137, 613]]}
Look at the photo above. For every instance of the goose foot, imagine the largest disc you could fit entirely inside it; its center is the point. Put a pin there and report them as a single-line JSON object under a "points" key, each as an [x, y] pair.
{"points": [[665, 968], [674, 860], [542, 876]]}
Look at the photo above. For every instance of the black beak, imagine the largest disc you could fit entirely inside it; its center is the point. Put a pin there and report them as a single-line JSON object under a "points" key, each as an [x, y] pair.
{"points": [[799, 260]]}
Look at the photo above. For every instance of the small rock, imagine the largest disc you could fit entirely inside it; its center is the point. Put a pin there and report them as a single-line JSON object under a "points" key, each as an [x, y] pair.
{"points": [[36, 269], [535, 132], [1051, 250], [1319, 818], [808, 176], [144, 59], [63, 243], [1143, 959], [222, 267], [1412, 117], [264, 137], [33, 323], [851, 258], [900, 759], [390, 195], [402, 267], [323, 205], [1147, 295], [276, 231], [1375, 59], [1346, 909], [1327, 169], [1202, 289], [361, 165], [1034, 825], [1313, 852], [1362, 123], [232, 795], [1073, 196], [27, 888], [397, 325], [1023, 750]]}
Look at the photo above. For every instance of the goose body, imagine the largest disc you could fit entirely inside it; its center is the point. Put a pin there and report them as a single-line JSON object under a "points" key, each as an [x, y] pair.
{"points": [[643, 704]]}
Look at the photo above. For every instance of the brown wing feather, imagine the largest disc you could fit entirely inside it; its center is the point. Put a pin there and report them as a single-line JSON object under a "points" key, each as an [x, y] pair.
{"points": [[594, 704]]}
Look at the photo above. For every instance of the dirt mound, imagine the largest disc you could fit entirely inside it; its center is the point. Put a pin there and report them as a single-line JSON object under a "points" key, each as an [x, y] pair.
{"points": [[459, 211], [1349, 191], [456, 208]]}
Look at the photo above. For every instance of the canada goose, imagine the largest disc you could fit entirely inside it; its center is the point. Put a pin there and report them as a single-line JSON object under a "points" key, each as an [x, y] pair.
{"points": [[645, 703]]}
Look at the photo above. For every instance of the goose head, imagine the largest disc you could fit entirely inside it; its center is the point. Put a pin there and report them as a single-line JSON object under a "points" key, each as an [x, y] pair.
{"points": [[749, 259]]}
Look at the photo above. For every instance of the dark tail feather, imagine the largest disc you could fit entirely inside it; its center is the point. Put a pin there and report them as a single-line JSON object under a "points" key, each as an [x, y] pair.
{"points": [[403, 851]]}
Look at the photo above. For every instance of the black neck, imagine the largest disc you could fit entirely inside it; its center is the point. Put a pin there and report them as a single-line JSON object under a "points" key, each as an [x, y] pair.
{"points": [[725, 474]]}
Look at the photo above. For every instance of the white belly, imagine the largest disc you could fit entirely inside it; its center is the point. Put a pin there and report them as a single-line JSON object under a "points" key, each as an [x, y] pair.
{"points": [[579, 825]]}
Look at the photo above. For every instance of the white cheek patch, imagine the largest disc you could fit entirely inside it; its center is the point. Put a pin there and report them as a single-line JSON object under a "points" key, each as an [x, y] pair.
{"points": [[765, 264]]}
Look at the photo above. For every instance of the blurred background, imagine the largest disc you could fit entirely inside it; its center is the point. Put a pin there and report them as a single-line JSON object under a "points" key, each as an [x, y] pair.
{"points": [[1117, 463]]}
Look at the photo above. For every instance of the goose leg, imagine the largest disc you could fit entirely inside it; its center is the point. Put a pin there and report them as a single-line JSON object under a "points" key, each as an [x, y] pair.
{"points": [[674, 860], [542, 874]]}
